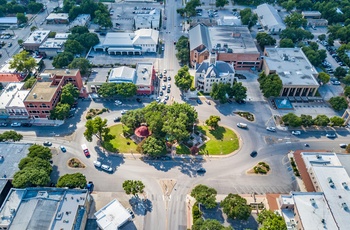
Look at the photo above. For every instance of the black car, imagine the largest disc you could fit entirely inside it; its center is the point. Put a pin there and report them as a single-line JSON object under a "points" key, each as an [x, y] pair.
{"points": [[168, 90], [138, 100], [161, 93], [254, 154], [26, 125], [47, 143], [201, 170], [240, 101], [117, 119]]}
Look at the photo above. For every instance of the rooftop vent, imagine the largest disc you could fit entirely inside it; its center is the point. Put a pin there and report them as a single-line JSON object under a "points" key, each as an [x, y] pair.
{"points": [[330, 181], [345, 185], [313, 202], [318, 156], [67, 71]]}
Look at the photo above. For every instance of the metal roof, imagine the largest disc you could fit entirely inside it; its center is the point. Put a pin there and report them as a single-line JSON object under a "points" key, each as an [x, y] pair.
{"points": [[268, 16]]}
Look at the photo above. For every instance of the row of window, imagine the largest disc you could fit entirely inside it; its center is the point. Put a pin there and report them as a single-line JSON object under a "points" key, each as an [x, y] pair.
{"points": [[34, 111]]}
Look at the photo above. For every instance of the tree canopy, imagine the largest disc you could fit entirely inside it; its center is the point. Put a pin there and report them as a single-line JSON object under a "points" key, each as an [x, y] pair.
{"points": [[111, 89], [321, 120], [264, 39], [248, 17], [183, 52], [62, 59], [68, 94], [97, 127], [337, 121], [338, 103], [213, 121], [270, 85], [324, 77], [30, 177], [292, 120], [183, 79], [296, 34], [207, 224], [74, 180], [295, 20], [190, 8], [153, 147], [29, 82], [236, 207], [286, 43], [80, 63], [270, 220], [205, 195], [39, 151], [60, 112], [10, 136], [133, 187], [23, 62]]}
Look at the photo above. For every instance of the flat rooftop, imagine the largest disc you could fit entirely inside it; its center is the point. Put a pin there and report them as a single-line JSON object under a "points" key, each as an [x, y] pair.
{"points": [[122, 74], [62, 16], [62, 72], [81, 20], [41, 92], [17, 101], [52, 44], [8, 94], [62, 36], [320, 158], [13, 154], [112, 216], [44, 208], [37, 37], [144, 74], [291, 65], [119, 39]]}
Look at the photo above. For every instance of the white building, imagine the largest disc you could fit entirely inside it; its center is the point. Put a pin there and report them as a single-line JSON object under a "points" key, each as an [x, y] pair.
{"points": [[34, 41], [122, 74], [149, 20], [213, 71], [112, 216], [81, 20], [57, 18], [51, 47], [123, 43], [11, 101], [269, 18]]}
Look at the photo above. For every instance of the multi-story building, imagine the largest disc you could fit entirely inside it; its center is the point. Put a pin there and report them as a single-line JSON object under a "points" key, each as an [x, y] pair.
{"points": [[45, 208], [298, 75], [46, 92], [145, 78], [57, 18], [11, 105], [124, 43], [34, 41], [269, 19], [232, 44], [213, 71]]}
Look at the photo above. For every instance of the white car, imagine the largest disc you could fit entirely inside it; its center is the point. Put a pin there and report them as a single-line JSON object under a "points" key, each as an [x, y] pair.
{"points": [[118, 102], [169, 85], [166, 97], [97, 164], [163, 87], [123, 111], [165, 71], [343, 146], [296, 133], [271, 129], [106, 168], [158, 99], [15, 124], [331, 135]]}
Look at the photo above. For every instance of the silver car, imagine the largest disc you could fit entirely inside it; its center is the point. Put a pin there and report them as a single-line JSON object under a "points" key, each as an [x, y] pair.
{"points": [[107, 168]]}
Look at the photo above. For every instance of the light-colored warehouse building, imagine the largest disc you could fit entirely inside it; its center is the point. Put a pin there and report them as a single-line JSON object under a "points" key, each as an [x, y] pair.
{"points": [[269, 19]]}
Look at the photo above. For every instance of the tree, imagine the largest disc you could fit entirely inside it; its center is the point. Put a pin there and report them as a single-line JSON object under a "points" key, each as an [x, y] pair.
{"points": [[338, 103], [263, 39], [235, 207], [80, 63], [102, 19], [322, 37], [97, 127], [23, 62], [36, 162], [182, 43], [238, 91], [79, 30], [248, 17], [33, 28], [270, 220], [30, 177], [348, 148], [205, 195], [73, 47], [62, 59], [20, 42], [295, 20], [153, 147], [88, 40], [126, 89], [337, 121], [286, 43], [288, 5], [340, 72], [29, 82], [306, 120], [68, 94], [219, 91], [107, 89], [213, 121], [321, 120], [270, 85], [346, 79], [347, 91], [39, 151], [292, 120], [315, 56], [10, 136], [296, 35], [52, 34], [74, 180], [324, 77], [183, 79], [183, 55], [190, 8], [21, 18], [221, 3], [175, 127], [207, 224], [133, 187], [34, 7], [60, 112]]}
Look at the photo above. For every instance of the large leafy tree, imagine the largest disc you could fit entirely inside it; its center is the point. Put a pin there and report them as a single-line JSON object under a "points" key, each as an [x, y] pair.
{"points": [[295, 20], [21, 18], [190, 8], [296, 35], [40, 152], [23, 62], [321, 120], [337, 121], [263, 39], [73, 47], [340, 72], [153, 147], [80, 63], [30, 177], [68, 94], [62, 59], [238, 91], [270, 220], [133, 187], [35, 162], [183, 55], [60, 112], [183, 79], [338, 103], [97, 127], [324, 77], [292, 120], [236, 207], [286, 43], [314, 55], [205, 195], [10, 136], [75, 180], [270, 85], [126, 89], [347, 91], [213, 121], [306, 120], [221, 3], [103, 19], [207, 224], [219, 91], [248, 17], [108, 89]]}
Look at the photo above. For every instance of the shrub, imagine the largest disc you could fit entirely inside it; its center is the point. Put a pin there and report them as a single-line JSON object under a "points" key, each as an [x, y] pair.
{"points": [[88, 117], [196, 213]]}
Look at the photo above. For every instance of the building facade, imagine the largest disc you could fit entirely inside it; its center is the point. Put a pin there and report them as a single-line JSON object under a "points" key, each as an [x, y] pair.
{"points": [[59, 18]]}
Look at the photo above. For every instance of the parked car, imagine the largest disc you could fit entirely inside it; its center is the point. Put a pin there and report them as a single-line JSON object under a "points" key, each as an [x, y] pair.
{"points": [[296, 133], [335, 82], [3, 124], [116, 119], [158, 99], [138, 100], [343, 146], [208, 102], [169, 78], [254, 154], [63, 149], [97, 164], [166, 97], [163, 87], [15, 124], [47, 143], [161, 93], [106, 168], [168, 90], [271, 129], [199, 101], [331, 135], [201, 170]]}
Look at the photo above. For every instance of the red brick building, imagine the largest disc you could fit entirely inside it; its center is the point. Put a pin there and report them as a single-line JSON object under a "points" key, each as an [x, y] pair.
{"points": [[46, 92]]}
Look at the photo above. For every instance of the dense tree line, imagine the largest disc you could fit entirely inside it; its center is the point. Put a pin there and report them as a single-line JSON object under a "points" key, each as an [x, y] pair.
{"points": [[111, 89], [183, 51], [10, 136], [293, 120], [68, 96], [223, 91]]}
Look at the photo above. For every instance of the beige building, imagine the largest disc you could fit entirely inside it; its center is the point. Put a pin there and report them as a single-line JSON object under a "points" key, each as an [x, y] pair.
{"points": [[298, 75], [35, 40]]}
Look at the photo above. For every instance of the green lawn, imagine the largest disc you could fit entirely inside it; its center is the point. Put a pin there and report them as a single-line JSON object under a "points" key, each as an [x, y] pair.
{"points": [[119, 143], [222, 141], [182, 149]]}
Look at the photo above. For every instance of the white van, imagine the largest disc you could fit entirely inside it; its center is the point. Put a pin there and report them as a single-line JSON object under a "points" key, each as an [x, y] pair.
{"points": [[242, 125]]}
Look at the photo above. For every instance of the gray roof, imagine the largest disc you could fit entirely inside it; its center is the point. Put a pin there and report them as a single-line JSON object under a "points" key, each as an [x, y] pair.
{"points": [[269, 17], [144, 73], [219, 67], [8, 20], [122, 74], [199, 35], [12, 153]]}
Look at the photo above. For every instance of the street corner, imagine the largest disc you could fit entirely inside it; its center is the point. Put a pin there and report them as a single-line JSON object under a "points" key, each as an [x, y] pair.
{"points": [[167, 185]]}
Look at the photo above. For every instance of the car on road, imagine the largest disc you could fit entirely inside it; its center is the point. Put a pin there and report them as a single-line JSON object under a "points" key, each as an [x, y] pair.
{"points": [[242, 125], [335, 82], [163, 87], [166, 97], [168, 90], [3, 124], [201, 170], [106, 168], [131, 212], [90, 186], [97, 164], [118, 102], [47, 143], [271, 129], [116, 119], [9, 45], [343, 146], [16, 124], [164, 79], [296, 133], [85, 150], [254, 154], [331, 135], [26, 125], [199, 101], [123, 111], [63, 149]]}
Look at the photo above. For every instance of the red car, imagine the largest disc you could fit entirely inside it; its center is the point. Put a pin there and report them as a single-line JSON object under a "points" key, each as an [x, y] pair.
{"points": [[86, 152]]}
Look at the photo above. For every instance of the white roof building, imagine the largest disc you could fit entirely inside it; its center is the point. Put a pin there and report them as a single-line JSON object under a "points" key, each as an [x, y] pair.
{"points": [[81, 20], [57, 18], [270, 19], [112, 216], [150, 20], [122, 74], [36, 39]]}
